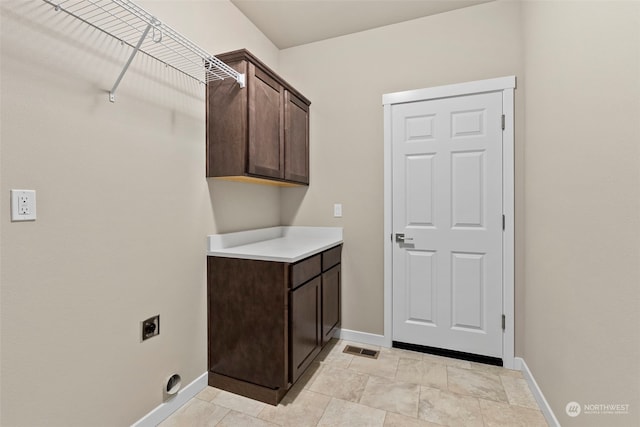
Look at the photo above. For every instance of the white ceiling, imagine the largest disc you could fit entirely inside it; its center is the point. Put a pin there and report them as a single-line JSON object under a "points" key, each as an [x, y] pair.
{"points": [[290, 23]]}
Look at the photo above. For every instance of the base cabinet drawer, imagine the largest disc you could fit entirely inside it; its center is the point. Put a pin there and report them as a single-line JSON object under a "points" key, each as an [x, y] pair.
{"points": [[331, 257], [306, 269]]}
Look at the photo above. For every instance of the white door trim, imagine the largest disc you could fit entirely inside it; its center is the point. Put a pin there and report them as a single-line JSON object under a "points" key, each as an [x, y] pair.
{"points": [[506, 85]]}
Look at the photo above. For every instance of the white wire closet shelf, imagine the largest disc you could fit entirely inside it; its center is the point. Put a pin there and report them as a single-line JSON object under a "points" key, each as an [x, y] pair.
{"points": [[143, 32]]}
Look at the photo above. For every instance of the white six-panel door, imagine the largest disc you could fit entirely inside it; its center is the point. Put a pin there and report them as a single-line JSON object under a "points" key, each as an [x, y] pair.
{"points": [[447, 201]]}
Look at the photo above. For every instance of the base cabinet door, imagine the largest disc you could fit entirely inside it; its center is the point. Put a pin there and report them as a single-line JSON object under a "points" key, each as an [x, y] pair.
{"points": [[306, 339], [330, 302]]}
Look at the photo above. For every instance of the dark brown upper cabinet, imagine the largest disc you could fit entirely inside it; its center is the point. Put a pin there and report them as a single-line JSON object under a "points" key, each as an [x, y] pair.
{"points": [[259, 133]]}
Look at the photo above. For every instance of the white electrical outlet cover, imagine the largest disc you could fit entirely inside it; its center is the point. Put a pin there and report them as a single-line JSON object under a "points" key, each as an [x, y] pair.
{"points": [[23, 205], [337, 210]]}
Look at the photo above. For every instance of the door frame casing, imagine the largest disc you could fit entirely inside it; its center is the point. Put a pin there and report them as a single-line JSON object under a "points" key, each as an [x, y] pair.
{"points": [[506, 85]]}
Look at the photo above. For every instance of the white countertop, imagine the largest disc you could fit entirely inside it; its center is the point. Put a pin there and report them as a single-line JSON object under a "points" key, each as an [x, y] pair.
{"points": [[280, 244]]}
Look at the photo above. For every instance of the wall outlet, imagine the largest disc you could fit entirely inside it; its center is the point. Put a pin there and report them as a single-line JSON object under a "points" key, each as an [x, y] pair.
{"points": [[150, 327], [23, 205]]}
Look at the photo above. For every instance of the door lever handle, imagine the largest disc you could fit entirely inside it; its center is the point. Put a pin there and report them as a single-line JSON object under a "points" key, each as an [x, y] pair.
{"points": [[401, 238]]}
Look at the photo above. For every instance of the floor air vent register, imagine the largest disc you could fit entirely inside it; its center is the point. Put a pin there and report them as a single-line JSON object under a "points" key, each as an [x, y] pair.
{"points": [[359, 351]]}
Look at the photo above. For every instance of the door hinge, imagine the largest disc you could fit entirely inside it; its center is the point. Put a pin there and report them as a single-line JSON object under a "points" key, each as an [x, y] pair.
{"points": [[504, 222], [503, 121], [504, 322]]}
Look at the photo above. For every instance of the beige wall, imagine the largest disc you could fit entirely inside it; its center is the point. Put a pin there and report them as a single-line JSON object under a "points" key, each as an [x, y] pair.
{"points": [[583, 205], [123, 211], [577, 199], [345, 79]]}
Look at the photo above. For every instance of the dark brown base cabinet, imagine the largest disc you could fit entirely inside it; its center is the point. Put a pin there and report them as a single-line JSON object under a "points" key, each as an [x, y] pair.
{"points": [[269, 320]]}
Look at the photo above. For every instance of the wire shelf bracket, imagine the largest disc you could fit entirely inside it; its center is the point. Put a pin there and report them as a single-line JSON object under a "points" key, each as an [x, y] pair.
{"points": [[131, 25]]}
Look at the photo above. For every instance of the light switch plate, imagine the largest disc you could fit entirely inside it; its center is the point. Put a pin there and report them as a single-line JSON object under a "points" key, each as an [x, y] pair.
{"points": [[23, 205], [337, 210]]}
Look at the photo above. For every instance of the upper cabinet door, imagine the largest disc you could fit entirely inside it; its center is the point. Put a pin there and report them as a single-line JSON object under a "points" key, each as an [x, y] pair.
{"points": [[296, 138], [266, 139]]}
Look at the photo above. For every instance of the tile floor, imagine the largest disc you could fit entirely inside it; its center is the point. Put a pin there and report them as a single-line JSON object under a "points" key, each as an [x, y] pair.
{"points": [[399, 389]]}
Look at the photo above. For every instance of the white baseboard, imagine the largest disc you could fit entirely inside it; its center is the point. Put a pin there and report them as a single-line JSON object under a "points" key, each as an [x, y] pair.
{"points": [[361, 337], [162, 412], [537, 392]]}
